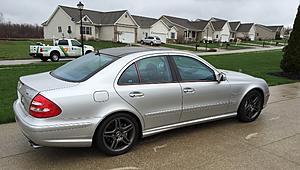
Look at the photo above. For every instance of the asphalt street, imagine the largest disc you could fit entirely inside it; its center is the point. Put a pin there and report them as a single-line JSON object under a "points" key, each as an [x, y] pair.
{"points": [[271, 142]]}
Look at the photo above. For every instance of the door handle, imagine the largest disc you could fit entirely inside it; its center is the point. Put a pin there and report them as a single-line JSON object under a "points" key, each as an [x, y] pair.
{"points": [[136, 94], [188, 90]]}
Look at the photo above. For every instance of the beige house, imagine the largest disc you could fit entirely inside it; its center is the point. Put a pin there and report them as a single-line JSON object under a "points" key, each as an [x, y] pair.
{"points": [[117, 26], [189, 31]]}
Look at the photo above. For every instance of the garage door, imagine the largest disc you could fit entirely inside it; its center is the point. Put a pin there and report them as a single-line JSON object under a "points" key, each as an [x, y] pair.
{"points": [[126, 37], [162, 36], [252, 37], [224, 38]]}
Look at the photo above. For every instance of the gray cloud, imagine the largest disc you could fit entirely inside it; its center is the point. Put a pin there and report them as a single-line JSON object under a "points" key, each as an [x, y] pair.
{"points": [[258, 11]]}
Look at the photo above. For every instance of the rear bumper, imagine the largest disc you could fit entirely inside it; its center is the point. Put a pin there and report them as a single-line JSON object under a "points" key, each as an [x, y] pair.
{"points": [[63, 133]]}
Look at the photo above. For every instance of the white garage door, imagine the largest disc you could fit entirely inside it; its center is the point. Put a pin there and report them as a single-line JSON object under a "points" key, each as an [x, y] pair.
{"points": [[252, 37], [126, 37], [224, 38], [162, 36]]}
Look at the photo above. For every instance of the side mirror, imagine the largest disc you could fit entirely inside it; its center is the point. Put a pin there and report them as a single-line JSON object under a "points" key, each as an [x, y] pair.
{"points": [[221, 77]]}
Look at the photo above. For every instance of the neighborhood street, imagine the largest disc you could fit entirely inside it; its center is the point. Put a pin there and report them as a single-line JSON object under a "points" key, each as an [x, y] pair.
{"points": [[30, 61], [271, 142]]}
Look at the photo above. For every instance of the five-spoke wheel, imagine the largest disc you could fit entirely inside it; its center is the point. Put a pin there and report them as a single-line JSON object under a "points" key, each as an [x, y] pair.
{"points": [[117, 134], [250, 106]]}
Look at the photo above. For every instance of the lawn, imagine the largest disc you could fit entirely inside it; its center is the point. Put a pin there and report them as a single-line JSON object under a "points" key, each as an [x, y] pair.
{"points": [[20, 49], [257, 64], [266, 42], [232, 46]]}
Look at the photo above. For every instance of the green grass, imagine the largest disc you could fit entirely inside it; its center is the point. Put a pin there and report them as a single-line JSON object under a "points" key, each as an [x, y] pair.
{"points": [[258, 64], [17, 49], [266, 42], [9, 76], [20, 49], [220, 46]]}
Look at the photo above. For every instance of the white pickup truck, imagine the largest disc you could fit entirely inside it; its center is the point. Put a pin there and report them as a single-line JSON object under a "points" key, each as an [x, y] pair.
{"points": [[60, 48]]}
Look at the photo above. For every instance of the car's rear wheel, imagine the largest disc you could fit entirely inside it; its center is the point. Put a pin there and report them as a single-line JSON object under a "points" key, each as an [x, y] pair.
{"points": [[152, 44], [54, 56], [117, 134], [250, 107], [142, 42]]}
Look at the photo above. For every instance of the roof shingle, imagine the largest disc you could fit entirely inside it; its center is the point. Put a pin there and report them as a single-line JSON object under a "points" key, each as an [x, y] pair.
{"points": [[144, 22]]}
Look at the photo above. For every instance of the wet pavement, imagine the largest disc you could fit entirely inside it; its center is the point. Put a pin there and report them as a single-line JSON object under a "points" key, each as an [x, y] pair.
{"points": [[271, 142]]}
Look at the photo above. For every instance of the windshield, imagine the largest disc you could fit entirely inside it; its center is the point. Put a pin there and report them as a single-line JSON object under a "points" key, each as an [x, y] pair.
{"points": [[83, 68]]}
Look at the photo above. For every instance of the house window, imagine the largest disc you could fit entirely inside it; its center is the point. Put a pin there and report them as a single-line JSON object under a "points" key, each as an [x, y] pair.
{"points": [[257, 34], [87, 30], [59, 29], [172, 35], [217, 36]]}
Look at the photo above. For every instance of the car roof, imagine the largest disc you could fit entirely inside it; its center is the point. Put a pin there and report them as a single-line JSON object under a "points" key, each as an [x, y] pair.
{"points": [[123, 51]]}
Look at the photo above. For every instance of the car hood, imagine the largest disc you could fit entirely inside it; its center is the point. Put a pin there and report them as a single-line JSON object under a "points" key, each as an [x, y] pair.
{"points": [[233, 75], [45, 82]]}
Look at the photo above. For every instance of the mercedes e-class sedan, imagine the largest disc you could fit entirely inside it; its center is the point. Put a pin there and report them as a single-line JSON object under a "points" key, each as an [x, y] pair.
{"points": [[111, 98]]}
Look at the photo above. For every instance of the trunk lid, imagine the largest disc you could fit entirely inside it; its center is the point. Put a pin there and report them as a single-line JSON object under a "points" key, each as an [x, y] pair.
{"points": [[30, 86]]}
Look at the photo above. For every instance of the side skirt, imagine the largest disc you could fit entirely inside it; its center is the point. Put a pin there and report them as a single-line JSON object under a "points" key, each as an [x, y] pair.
{"points": [[153, 131]]}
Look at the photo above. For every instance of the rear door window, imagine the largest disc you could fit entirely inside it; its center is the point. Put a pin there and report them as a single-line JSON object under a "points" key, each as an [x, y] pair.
{"points": [[63, 42]]}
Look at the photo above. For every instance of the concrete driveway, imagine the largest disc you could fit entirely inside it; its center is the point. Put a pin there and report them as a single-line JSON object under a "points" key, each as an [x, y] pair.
{"points": [[271, 142]]}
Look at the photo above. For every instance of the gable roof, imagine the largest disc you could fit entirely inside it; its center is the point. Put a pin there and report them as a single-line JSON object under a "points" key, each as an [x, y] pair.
{"points": [[96, 17], [234, 25], [275, 27], [193, 25], [144, 22], [218, 25], [216, 19], [245, 27]]}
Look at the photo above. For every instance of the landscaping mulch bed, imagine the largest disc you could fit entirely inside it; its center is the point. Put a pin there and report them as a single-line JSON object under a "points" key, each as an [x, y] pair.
{"points": [[286, 75]]}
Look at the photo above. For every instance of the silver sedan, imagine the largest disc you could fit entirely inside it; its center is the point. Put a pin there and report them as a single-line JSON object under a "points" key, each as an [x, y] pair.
{"points": [[112, 98]]}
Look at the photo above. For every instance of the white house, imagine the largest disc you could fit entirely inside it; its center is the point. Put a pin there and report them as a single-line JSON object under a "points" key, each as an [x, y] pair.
{"points": [[154, 27], [117, 26], [246, 31], [221, 31]]}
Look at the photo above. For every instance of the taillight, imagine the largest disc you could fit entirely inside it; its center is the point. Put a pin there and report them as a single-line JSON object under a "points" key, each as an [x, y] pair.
{"points": [[41, 107], [41, 50]]}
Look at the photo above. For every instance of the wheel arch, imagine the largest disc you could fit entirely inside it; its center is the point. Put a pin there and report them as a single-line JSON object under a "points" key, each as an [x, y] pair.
{"points": [[255, 88], [55, 51]]}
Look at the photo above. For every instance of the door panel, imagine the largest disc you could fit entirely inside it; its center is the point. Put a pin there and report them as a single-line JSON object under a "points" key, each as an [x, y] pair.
{"points": [[149, 87], [204, 99], [160, 104], [203, 96]]}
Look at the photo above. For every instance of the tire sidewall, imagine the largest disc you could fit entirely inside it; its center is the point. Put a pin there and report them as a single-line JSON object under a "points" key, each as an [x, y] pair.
{"points": [[98, 138], [52, 57]]}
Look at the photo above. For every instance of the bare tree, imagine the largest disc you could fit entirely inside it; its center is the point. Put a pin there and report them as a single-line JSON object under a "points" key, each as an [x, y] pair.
{"points": [[1, 17]]}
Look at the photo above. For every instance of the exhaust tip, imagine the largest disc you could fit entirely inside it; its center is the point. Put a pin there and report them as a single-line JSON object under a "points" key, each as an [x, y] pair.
{"points": [[33, 145]]}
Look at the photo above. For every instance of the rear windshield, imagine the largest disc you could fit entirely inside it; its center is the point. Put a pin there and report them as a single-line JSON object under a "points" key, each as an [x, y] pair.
{"points": [[83, 68]]}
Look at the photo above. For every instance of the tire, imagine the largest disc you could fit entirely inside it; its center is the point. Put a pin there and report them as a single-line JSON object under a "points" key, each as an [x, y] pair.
{"points": [[151, 44], [117, 134], [250, 107], [54, 56], [142, 42], [44, 59]]}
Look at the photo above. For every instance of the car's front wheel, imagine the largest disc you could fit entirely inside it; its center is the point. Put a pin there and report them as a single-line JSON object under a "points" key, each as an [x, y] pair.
{"points": [[250, 107], [117, 134]]}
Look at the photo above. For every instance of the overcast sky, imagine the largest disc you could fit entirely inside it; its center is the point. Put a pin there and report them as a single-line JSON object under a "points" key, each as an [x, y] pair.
{"points": [[269, 12]]}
